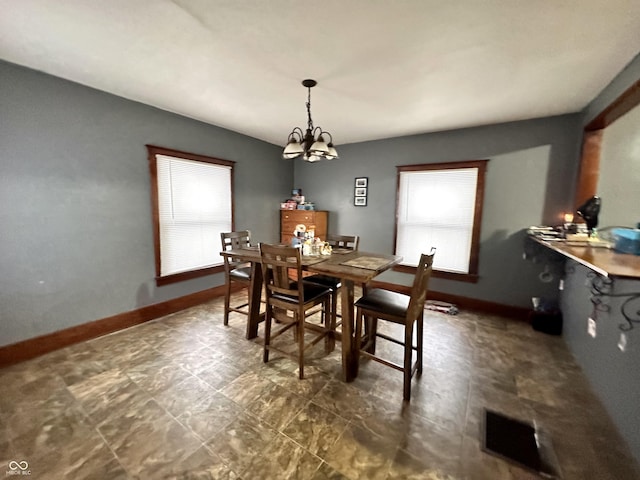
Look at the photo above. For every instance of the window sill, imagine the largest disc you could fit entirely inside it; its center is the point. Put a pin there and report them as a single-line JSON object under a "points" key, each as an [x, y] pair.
{"points": [[179, 277], [459, 277]]}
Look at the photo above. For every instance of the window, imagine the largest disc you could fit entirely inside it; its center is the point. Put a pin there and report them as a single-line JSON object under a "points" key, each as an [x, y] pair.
{"points": [[192, 203], [440, 205]]}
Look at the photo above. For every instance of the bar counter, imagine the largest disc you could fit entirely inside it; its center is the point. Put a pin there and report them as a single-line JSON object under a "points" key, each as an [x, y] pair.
{"points": [[602, 260]]}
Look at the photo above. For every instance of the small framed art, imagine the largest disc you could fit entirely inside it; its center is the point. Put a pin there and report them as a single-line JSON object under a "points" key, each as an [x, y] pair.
{"points": [[360, 201], [362, 182], [360, 191]]}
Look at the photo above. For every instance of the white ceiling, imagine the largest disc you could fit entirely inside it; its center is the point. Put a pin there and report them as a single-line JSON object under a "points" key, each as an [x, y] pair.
{"points": [[384, 68]]}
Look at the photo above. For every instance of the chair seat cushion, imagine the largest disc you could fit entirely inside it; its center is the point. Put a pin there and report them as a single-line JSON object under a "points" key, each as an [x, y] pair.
{"points": [[311, 292], [385, 302], [324, 280], [242, 273]]}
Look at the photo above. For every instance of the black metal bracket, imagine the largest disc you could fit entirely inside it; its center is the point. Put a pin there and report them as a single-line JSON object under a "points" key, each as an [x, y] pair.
{"points": [[601, 288]]}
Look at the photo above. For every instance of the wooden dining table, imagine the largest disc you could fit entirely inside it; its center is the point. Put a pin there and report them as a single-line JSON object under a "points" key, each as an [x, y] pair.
{"points": [[352, 267]]}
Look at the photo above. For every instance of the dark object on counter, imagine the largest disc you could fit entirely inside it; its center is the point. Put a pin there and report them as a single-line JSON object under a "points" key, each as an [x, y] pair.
{"points": [[589, 211]]}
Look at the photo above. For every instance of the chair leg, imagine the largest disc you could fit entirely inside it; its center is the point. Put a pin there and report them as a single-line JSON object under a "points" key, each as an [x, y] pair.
{"points": [[420, 334], [227, 302], [300, 330], [358, 332], [408, 350], [329, 339], [334, 307], [371, 332], [267, 335], [295, 331]]}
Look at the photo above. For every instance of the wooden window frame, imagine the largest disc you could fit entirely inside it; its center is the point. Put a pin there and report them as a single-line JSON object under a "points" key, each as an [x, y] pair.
{"points": [[589, 169], [481, 165], [154, 150]]}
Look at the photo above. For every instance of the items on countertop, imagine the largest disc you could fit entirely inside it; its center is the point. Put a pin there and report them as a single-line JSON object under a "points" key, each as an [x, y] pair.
{"points": [[577, 235], [626, 240], [620, 239]]}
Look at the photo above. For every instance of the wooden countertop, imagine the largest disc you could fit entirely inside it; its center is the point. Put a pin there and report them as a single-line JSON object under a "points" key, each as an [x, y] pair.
{"points": [[605, 261]]}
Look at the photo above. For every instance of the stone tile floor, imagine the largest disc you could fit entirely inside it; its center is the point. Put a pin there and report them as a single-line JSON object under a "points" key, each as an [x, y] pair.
{"points": [[184, 397]]}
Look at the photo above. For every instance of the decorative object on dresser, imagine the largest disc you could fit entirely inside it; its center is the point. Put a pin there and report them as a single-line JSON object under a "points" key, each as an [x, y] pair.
{"points": [[316, 220]]}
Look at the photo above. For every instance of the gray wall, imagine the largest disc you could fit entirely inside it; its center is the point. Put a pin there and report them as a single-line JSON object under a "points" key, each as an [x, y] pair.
{"points": [[76, 240], [619, 177], [530, 181], [612, 373], [620, 155]]}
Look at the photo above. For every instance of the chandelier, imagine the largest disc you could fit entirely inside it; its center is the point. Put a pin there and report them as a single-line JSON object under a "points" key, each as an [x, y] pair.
{"points": [[311, 145]]}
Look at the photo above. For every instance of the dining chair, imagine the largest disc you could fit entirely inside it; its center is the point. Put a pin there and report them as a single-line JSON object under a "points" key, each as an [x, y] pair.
{"points": [[350, 242], [347, 242], [235, 271], [288, 302], [406, 310]]}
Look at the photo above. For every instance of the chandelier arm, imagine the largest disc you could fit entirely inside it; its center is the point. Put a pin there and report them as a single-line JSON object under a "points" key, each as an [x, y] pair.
{"points": [[296, 131]]}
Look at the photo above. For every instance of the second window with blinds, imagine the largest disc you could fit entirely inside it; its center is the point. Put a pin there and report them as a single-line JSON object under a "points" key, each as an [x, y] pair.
{"points": [[440, 205], [192, 203]]}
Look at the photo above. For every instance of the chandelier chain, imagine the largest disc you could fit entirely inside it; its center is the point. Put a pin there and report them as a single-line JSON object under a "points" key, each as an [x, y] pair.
{"points": [[309, 121]]}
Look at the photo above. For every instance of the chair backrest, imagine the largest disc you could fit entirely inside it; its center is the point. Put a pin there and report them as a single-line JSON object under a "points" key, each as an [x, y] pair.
{"points": [[420, 285], [343, 241], [234, 241], [276, 262]]}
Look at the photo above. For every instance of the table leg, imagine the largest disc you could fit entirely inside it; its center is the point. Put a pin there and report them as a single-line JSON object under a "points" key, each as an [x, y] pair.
{"points": [[255, 292], [349, 355]]}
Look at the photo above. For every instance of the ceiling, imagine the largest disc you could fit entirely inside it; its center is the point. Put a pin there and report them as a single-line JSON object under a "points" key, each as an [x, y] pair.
{"points": [[384, 68]]}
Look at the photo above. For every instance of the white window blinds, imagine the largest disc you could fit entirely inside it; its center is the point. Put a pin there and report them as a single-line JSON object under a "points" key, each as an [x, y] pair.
{"points": [[194, 206], [436, 208]]}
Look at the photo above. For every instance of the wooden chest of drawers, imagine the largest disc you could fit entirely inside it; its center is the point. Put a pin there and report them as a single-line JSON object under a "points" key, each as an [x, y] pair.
{"points": [[317, 219]]}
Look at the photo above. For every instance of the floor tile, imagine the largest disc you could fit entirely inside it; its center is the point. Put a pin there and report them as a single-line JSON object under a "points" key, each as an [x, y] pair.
{"points": [[185, 397]]}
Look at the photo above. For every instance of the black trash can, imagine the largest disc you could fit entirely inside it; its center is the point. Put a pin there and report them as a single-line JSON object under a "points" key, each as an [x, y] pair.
{"points": [[546, 316]]}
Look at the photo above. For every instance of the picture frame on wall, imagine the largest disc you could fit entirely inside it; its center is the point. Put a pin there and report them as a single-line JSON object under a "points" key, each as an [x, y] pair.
{"points": [[362, 182], [360, 191]]}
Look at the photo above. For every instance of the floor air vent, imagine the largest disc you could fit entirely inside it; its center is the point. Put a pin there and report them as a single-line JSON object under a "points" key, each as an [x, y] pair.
{"points": [[519, 442]]}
